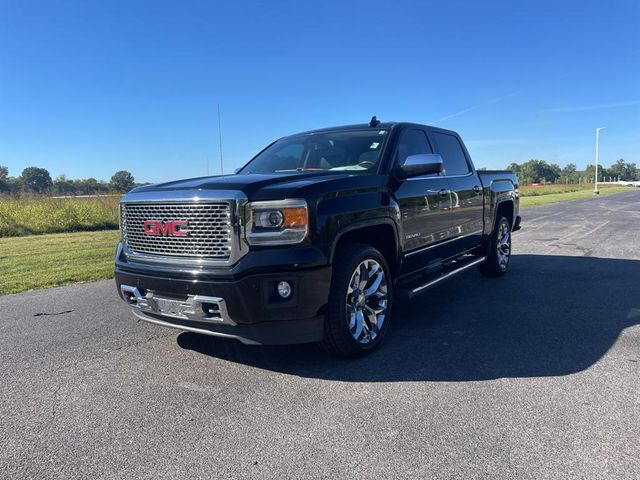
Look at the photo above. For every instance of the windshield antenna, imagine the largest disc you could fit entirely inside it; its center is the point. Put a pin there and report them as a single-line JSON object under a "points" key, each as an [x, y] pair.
{"points": [[374, 122], [220, 142]]}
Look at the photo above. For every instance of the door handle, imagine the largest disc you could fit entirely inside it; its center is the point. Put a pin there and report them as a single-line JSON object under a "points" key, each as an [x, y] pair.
{"points": [[477, 190], [444, 193]]}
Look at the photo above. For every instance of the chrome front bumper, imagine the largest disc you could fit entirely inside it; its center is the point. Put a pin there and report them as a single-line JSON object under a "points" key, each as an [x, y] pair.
{"points": [[156, 321], [198, 308]]}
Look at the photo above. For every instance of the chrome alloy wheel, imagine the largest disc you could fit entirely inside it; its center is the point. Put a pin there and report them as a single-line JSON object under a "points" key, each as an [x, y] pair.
{"points": [[367, 300], [503, 245]]}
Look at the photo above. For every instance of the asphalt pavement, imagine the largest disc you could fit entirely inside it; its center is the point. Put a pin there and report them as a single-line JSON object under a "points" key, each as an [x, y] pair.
{"points": [[532, 375]]}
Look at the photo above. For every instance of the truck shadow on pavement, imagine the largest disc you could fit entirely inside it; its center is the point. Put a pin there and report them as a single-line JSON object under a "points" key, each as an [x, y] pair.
{"points": [[550, 316]]}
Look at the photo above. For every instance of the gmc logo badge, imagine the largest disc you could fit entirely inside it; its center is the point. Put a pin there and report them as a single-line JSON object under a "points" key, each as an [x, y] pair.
{"points": [[169, 228]]}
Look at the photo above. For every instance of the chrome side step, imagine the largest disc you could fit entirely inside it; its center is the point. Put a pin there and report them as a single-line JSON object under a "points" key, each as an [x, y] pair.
{"points": [[416, 290]]}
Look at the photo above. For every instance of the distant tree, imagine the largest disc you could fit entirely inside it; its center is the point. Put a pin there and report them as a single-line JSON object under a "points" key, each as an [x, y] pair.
{"points": [[535, 171], [569, 173], [569, 169], [514, 167], [37, 179], [122, 181], [624, 171], [590, 172], [603, 173], [618, 169], [64, 186], [15, 185], [104, 187], [4, 174], [88, 186]]}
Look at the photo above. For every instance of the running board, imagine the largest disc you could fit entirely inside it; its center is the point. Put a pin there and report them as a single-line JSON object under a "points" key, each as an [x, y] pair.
{"points": [[410, 292]]}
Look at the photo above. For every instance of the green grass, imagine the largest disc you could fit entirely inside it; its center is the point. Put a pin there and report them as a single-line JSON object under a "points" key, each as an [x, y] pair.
{"points": [[43, 261], [38, 215], [535, 196], [531, 191]]}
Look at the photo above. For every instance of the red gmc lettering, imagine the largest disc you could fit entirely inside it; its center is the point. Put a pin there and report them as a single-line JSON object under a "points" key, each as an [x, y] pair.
{"points": [[177, 228]]}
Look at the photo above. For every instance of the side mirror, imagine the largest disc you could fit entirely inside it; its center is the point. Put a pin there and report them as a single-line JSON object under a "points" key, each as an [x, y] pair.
{"points": [[421, 164]]}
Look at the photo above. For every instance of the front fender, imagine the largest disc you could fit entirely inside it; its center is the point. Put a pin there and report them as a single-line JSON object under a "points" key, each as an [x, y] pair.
{"points": [[343, 214]]}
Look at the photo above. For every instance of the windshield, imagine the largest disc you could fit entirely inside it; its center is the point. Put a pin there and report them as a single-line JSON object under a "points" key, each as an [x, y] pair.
{"points": [[355, 151]]}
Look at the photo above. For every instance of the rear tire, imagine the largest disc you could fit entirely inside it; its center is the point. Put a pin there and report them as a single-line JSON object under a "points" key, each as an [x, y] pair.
{"points": [[499, 250], [360, 301]]}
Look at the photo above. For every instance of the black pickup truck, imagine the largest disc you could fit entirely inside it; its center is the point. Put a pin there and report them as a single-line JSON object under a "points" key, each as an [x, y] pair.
{"points": [[315, 238]]}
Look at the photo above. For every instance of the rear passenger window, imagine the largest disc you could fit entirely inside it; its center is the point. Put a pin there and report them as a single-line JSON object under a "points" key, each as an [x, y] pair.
{"points": [[412, 142], [448, 146]]}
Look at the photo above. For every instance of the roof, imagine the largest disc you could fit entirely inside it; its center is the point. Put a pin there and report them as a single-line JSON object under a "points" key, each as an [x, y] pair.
{"points": [[365, 126]]}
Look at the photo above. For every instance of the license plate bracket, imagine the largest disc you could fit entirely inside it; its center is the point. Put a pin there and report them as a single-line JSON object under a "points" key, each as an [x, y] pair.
{"points": [[174, 308]]}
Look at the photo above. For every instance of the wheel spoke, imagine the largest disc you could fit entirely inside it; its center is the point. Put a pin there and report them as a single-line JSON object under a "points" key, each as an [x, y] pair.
{"points": [[352, 321], [381, 293], [355, 280], [362, 277], [373, 320], [359, 325], [379, 322], [374, 311], [376, 283]]}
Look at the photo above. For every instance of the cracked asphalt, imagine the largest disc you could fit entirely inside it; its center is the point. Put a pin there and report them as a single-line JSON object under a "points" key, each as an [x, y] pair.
{"points": [[533, 375]]}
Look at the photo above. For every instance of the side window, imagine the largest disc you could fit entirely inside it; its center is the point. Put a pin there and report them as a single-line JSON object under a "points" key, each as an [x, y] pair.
{"points": [[448, 146], [412, 142]]}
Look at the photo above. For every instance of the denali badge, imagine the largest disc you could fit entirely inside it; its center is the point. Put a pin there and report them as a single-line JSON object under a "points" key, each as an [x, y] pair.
{"points": [[177, 228]]}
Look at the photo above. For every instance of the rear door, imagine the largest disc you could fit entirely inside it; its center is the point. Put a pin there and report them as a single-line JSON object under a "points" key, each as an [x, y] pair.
{"points": [[467, 208], [424, 205]]}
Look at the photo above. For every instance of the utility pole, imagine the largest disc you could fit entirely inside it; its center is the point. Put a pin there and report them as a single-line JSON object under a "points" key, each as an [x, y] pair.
{"points": [[595, 190]]}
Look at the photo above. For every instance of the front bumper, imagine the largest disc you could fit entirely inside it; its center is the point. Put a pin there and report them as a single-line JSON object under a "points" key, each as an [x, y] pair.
{"points": [[267, 333], [242, 304]]}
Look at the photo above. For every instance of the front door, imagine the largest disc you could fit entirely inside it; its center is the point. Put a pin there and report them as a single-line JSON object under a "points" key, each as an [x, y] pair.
{"points": [[425, 203]]}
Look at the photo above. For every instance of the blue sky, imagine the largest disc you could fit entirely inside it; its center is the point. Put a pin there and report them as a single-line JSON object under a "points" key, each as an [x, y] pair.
{"points": [[91, 87]]}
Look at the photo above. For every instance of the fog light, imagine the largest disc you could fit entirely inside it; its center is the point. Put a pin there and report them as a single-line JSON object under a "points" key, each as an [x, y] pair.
{"points": [[284, 289]]}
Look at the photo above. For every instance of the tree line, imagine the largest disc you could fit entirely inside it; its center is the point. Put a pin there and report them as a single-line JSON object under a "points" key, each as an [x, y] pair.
{"points": [[539, 171], [38, 180]]}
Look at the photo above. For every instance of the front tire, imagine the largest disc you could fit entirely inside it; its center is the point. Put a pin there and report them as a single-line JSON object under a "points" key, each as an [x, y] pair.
{"points": [[360, 301], [499, 250]]}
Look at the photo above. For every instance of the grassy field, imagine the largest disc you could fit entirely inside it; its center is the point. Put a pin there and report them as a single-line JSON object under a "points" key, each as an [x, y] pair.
{"points": [[535, 196], [37, 215], [43, 261]]}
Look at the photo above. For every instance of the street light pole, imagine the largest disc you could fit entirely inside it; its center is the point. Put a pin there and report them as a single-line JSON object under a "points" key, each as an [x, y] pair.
{"points": [[595, 190]]}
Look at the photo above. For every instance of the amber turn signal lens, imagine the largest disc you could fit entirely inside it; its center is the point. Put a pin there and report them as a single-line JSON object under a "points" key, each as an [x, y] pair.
{"points": [[294, 217]]}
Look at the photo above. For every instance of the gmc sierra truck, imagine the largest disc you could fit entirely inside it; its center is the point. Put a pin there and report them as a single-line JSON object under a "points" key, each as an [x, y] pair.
{"points": [[315, 238]]}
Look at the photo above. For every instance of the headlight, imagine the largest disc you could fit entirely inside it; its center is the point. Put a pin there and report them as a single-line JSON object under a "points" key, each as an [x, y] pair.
{"points": [[277, 222]]}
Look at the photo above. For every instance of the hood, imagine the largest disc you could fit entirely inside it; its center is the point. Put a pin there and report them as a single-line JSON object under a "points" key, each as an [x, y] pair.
{"points": [[279, 185]]}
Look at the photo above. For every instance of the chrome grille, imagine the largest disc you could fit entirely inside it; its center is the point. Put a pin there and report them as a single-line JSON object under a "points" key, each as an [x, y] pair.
{"points": [[209, 226]]}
